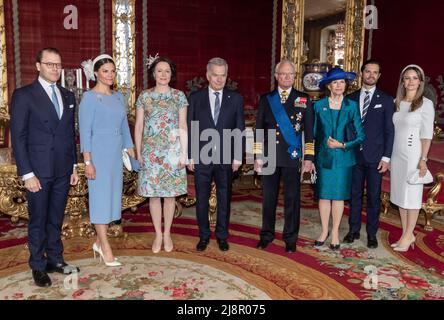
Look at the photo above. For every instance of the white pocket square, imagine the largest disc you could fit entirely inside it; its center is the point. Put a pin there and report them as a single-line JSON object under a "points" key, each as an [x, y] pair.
{"points": [[378, 106], [71, 106]]}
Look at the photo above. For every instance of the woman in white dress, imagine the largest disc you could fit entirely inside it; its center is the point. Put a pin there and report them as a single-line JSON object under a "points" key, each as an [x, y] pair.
{"points": [[413, 120]]}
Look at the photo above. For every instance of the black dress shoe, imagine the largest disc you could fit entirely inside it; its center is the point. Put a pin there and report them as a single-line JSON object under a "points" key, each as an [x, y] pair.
{"points": [[351, 236], [262, 244], [223, 244], [62, 267], [202, 244], [334, 247], [41, 278], [372, 242], [290, 247], [321, 243]]}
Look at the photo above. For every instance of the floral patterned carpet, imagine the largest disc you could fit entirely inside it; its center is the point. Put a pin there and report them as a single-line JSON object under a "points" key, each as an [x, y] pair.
{"points": [[243, 272]]}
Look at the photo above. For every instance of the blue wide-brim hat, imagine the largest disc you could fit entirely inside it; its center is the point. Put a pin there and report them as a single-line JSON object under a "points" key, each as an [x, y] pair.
{"points": [[336, 74]]}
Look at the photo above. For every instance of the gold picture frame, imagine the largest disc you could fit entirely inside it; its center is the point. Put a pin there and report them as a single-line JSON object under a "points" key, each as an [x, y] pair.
{"points": [[293, 30]]}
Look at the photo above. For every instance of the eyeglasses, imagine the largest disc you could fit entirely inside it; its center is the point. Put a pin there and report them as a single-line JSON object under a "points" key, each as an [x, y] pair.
{"points": [[52, 65], [284, 74]]}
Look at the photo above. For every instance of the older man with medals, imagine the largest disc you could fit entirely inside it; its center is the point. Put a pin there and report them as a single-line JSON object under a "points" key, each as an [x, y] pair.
{"points": [[288, 112]]}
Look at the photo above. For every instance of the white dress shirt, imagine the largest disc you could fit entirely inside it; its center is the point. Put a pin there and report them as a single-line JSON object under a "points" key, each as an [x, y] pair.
{"points": [[47, 86], [361, 107]]}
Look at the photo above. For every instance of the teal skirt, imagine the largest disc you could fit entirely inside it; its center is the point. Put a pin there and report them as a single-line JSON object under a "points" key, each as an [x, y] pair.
{"points": [[334, 184]]}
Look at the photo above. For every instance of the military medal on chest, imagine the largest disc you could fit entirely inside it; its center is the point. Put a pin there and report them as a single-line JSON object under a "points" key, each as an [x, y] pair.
{"points": [[297, 126], [300, 102]]}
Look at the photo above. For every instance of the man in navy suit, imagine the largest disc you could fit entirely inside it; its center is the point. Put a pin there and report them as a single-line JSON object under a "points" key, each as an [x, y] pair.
{"points": [[374, 154], [213, 112], [43, 140]]}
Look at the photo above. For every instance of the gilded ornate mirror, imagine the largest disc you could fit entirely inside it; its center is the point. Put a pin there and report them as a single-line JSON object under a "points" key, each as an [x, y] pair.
{"points": [[4, 110], [325, 32]]}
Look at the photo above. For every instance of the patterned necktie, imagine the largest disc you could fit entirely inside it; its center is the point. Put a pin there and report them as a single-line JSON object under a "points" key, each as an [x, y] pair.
{"points": [[216, 107], [55, 101], [366, 104], [284, 96]]}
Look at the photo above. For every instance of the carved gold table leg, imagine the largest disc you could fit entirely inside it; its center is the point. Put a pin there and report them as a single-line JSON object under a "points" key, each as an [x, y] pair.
{"points": [[428, 214], [385, 200], [76, 222], [432, 206], [212, 205], [178, 209], [12, 194]]}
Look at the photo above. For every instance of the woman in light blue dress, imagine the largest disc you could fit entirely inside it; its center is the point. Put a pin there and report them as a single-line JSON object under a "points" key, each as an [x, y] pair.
{"points": [[104, 133], [161, 142]]}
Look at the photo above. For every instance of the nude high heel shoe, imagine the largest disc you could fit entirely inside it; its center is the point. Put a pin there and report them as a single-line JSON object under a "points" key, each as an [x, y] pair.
{"points": [[156, 248], [168, 245], [395, 244], [97, 249], [406, 248]]}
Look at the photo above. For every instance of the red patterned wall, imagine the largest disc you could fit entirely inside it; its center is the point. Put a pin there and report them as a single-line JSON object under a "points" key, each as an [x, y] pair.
{"points": [[193, 31], [408, 32], [41, 25], [189, 32]]}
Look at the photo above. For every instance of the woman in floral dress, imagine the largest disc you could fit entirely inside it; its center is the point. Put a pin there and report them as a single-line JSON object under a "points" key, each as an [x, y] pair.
{"points": [[161, 143]]}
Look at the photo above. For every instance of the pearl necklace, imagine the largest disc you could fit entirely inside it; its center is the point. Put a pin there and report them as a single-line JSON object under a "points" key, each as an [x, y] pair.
{"points": [[335, 104]]}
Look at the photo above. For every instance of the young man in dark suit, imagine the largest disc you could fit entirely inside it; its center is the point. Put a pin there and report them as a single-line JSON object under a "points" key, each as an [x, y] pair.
{"points": [[290, 113], [43, 140], [373, 156], [214, 110]]}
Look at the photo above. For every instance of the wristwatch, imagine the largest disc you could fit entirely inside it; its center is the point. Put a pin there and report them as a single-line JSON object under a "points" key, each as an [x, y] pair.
{"points": [[424, 159], [87, 162]]}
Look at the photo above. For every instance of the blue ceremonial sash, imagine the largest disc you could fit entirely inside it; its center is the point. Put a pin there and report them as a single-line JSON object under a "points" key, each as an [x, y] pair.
{"points": [[288, 132]]}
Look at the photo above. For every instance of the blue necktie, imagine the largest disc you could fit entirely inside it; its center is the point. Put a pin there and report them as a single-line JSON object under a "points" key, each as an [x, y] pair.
{"points": [[55, 101], [366, 105], [216, 107]]}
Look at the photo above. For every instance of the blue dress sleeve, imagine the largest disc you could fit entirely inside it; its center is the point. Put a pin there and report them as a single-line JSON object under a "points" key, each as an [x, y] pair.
{"points": [[86, 120], [127, 140]]}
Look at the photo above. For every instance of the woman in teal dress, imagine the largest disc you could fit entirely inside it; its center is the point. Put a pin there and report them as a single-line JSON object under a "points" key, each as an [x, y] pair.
{"points": [[338, 131], [104, 133], [161, 143]]}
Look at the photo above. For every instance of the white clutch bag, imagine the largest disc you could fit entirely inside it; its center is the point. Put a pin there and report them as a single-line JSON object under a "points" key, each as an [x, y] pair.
{"points": [[130, 163], [414, 178], [126, 160]]}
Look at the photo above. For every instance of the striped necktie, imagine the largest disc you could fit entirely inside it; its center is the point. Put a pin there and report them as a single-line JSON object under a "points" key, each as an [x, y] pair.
{"points": [[216, 107], [366, 104]]}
